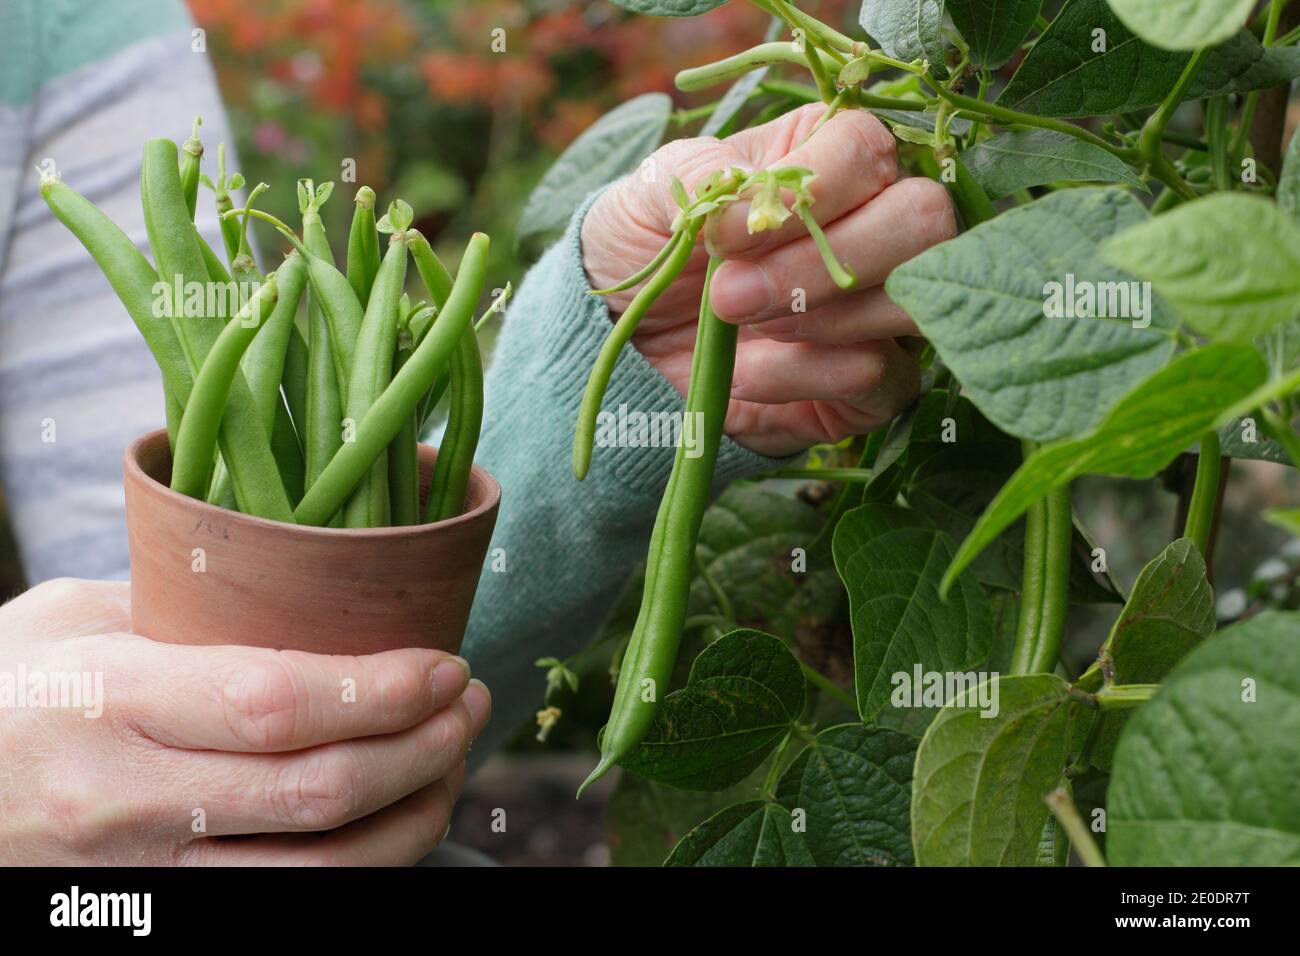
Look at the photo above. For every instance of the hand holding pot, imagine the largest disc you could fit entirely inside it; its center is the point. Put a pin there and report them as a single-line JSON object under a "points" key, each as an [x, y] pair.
{"points": [[814, 363], [122, 750]]}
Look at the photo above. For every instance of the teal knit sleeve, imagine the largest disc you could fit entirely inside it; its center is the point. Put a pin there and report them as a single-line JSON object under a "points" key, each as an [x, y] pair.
{"points": [[563, 548]]}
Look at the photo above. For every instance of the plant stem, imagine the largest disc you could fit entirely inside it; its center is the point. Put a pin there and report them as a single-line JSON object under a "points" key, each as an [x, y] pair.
{"points": [[1005, 116], [1067, 814], [1124, 696], [1200, 512], [823, 474], [774, 772], [1044, 592], [827, 686]]}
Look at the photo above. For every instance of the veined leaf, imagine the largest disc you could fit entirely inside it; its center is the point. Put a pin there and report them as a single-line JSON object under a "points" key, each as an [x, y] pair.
{"points": [[993, 28], [747, 834], [1072, 69], [853, 784], [744, 692], [1205, 772], [1012, 161], [606, 150], [905, 29], [899, 620], [1288, 183], [982, 300], [1198, 391], [1229, 264], [1183, 24], [1170, 611], [979, 782]]}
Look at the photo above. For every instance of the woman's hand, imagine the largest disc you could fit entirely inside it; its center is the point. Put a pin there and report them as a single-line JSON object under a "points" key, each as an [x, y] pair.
{"points": [[814, 363], [193, 744]]}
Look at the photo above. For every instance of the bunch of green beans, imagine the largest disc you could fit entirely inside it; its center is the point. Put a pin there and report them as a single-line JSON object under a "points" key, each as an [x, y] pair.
{"points": [[299, 394], [651, 652]]}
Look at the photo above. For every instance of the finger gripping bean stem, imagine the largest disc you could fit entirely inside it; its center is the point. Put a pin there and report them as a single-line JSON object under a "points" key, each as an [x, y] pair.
{"points": [[652, 651], [683, 244], [196, 442], [384, 419]]}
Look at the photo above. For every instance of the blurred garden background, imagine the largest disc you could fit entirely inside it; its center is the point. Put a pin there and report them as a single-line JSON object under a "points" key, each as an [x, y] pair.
{"points": [[421, 94]]}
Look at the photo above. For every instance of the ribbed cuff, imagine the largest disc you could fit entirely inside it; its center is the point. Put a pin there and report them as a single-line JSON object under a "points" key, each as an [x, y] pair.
{"points": [[573, 334]]}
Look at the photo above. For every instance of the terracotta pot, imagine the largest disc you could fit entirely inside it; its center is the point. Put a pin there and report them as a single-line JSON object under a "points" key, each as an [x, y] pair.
{"points": [[271, 584]]}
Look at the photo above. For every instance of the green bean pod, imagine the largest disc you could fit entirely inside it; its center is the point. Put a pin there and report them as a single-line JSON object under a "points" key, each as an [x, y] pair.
{"points": [[459, 442], [404, 454], [372, 370], [264, 369], [133, 279], [296, 373], [652, 650], [363, 246], [683, 244], [385, 418], [324, 413], [245, 445], [196, 443], [344, 313], [191, 153]]}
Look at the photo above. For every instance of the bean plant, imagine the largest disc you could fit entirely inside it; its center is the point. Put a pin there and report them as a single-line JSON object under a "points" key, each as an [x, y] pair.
{"points": [[297, 395], [1125, 292]]}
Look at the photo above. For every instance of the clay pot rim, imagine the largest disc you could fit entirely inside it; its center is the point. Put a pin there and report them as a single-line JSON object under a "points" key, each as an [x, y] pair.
{"points": [[153, 487]]}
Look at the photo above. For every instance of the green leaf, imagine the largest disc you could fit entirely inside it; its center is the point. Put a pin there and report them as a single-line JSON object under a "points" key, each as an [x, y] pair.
{"points": [[747, 834], [1054, 846], [907, 30], [952, 472], [645, 819], [1183, 24], [1233, 443], [1010, 162], [1229, 264], [1288, 183], [981, 300], [993, 28], [609, 148], [744, 692], [979, 782], [853, 786], [1144, 433], [1170, 611], [899, 620], [670, 8], [1288, 519], [1073, 68], [1205, 773]]}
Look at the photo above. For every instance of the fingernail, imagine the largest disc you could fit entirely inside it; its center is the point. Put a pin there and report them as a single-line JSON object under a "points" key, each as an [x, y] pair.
{"points": [[740, 289], [450, 678], [479, 703]]}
